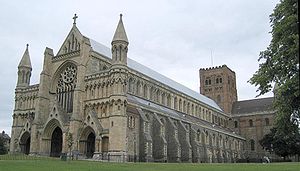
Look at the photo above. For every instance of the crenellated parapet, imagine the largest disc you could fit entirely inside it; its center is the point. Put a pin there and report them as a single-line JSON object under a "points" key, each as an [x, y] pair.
{"points": [[216, 67], [219, 84]]}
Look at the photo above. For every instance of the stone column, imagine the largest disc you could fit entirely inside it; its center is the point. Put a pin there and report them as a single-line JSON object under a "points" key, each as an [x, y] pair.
{"points": [[98, 151]]}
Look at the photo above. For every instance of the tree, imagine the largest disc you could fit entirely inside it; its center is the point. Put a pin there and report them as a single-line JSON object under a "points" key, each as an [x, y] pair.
{"points": [[3, 149], [280, 62], [282, 145], [280, 65]]}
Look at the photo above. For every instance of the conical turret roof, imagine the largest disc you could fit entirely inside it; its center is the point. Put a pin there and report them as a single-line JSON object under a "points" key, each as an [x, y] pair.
{"points": [[120, 34], [25, 61]]}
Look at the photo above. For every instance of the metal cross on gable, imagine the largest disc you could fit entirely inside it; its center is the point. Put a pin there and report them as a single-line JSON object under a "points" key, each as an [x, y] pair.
{"points": [[74, 18]]}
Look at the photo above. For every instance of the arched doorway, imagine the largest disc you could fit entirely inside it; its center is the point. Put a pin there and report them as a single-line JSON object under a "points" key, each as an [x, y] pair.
{"points": [[87, 142], [90, 145], [56, 142], [25, 143]]}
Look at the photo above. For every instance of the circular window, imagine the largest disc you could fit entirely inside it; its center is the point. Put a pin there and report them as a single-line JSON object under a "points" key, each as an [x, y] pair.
{"points": [[69, 74]]}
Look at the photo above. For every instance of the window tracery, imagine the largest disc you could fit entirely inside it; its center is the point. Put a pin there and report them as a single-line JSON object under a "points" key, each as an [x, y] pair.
{"points": [[65, 87]]}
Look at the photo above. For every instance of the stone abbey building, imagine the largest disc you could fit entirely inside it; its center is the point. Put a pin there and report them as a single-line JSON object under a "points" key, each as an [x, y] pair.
{"points": [[251, 118], [118, 109]]}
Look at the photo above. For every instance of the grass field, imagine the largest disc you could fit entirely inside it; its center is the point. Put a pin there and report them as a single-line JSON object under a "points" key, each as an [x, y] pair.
{"points": [[50, 164]]}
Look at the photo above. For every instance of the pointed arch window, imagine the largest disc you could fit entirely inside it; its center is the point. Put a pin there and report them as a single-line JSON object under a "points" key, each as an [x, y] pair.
{"points": [[65, 87], [267, 121], [138, 88], [145, 91], [252, 145], [198, 135], [169, 100], [131, 85], [175, 103], [235, 124], [251, 123]]}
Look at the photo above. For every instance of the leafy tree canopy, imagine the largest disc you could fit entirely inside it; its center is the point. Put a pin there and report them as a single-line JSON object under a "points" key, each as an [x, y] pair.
{"points": [[281, 144], [280, 65], [280, 61], [3, 149]]}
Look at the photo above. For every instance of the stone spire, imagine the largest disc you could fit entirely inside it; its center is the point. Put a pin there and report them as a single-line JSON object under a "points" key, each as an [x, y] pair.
{"points": [[120, 34], [119, 45], [24, 70], [25, 61]]}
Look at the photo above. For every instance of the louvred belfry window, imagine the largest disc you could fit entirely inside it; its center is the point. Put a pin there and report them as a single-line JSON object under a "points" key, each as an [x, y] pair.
{"points": [[65, 87]]}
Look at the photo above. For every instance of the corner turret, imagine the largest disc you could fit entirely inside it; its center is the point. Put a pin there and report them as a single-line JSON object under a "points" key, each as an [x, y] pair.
{"points": [[120, 44], [24, 70]]}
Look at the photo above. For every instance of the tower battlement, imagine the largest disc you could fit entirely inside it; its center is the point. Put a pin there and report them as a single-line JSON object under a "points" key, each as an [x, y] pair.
{"points": [[216, 67], [219, 84]]}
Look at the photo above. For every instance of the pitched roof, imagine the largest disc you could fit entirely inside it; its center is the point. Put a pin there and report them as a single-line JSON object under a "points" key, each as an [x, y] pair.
{"points": [[253, 106], [178, 115], [105, 51]]}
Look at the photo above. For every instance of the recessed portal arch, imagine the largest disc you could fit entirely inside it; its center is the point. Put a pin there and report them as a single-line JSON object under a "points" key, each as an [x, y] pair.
{"points": [[25, 143], [87, 142], [56, 142]]}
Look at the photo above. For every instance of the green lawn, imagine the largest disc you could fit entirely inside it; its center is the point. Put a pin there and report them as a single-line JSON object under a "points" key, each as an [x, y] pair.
{"points": [[49, 164]]}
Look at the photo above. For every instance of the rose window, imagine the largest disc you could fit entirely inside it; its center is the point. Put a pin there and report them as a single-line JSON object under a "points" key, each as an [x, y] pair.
{"points": [[69, 74]]}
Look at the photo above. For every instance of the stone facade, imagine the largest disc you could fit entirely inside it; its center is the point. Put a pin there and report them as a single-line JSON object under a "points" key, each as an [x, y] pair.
{"points": [[251, 119], [219, 84], [115, 108]]}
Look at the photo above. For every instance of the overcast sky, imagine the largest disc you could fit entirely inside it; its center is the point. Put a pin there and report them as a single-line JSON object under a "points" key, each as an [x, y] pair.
{"points": [[174, 37]]}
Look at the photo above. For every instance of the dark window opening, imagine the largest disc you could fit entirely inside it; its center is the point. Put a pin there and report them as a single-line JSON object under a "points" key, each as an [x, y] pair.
{"points": [[235, 124], [250, 123]]}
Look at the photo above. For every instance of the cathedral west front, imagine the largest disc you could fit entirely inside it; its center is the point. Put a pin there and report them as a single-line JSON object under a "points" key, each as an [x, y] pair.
{"points": [[116, 109]]}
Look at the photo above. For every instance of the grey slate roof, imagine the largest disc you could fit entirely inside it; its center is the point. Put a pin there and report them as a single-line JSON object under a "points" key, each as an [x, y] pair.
{"points": [[103, 50], [179, 115], [252, 106]]}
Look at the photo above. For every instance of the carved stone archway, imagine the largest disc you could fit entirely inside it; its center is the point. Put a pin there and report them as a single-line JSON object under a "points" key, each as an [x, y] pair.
{"points": [[90, 145], [87, 142], [56, 142], [25, 143]]}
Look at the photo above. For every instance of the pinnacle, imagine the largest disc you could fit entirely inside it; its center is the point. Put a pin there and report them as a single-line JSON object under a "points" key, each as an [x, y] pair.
{"points": [[120, 34], [25, 61]]}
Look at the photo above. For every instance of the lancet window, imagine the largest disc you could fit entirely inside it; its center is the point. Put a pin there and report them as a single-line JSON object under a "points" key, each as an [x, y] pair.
{"points": [[65, 87]]}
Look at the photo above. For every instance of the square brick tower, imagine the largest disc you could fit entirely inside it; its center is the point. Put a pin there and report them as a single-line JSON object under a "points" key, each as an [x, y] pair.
{"points": [[219, 84]]}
